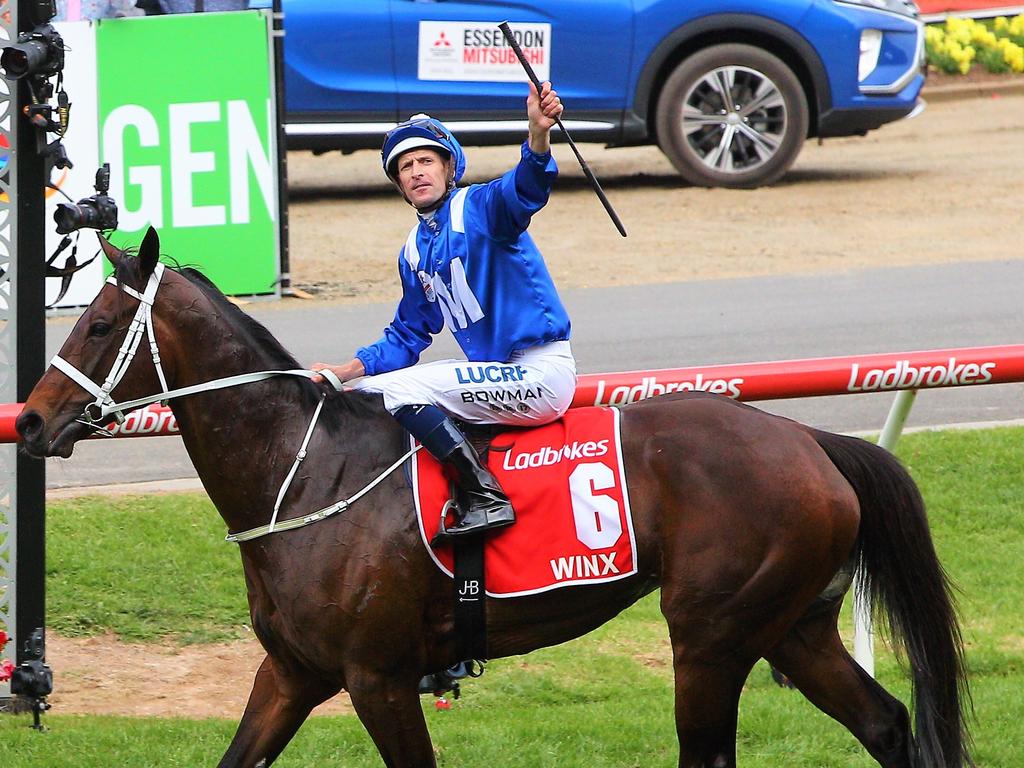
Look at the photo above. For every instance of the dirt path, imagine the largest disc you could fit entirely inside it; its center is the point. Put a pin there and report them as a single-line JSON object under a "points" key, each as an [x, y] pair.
{"points": [[944, 187], [104, 676]]}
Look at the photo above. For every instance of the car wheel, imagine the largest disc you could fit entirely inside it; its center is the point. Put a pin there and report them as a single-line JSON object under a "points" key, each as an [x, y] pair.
{"points": [[732, 116]]}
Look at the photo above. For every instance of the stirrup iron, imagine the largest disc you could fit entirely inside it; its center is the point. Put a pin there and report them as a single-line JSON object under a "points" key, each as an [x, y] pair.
{"points": [[442, 535]]}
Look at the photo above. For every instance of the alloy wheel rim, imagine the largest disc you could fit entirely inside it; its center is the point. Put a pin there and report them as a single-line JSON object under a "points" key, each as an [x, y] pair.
{"points": [[734, 119]]}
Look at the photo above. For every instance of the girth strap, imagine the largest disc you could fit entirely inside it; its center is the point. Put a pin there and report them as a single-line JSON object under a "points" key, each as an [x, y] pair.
{"points": [[295, 464], [320, 514]]}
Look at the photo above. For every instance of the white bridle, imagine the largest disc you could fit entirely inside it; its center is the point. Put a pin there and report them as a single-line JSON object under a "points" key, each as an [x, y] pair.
{"points": [[97, 413]]}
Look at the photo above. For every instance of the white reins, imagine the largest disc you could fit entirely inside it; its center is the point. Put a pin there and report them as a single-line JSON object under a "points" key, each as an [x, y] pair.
{"points": [[97, 412]]}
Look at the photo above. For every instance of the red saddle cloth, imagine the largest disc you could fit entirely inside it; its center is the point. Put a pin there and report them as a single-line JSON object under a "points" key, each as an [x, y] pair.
{"points": [[568, 488]]}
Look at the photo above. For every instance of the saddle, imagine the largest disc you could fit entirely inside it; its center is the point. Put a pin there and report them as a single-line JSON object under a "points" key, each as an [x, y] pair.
{"points": [[573, 527], [482, 436]]}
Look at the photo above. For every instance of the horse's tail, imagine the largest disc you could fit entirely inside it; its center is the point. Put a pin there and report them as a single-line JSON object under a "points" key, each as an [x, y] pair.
{"points": [[906, 582]]}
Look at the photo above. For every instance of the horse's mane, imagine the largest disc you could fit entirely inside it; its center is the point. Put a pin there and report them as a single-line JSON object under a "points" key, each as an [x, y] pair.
{"points": [[279, 358], [254, 330]]}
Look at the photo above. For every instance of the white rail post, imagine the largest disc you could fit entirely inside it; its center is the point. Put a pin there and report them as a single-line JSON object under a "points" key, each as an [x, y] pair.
{"points": [[863, 635]]}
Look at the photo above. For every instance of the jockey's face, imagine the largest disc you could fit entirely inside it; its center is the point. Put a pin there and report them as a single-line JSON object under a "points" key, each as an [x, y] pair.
{"points": [[423, 177]]}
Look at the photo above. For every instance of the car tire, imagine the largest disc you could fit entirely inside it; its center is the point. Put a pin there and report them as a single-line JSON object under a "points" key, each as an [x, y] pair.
{"points": [[711, 131]]}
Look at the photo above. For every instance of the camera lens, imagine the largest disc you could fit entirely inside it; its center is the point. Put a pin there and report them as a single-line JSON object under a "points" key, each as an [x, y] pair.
{"points": [[68, 218], [15, 62], [39, 52], [23, 59]]}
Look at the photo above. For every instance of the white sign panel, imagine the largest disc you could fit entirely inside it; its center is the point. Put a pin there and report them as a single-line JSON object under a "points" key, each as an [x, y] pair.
{"points": [[476, 50], [82, 147]]}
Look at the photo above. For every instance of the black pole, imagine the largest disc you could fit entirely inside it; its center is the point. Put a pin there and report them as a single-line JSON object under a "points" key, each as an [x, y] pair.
{"points": [[282, 147], [30, 319], [31, 346]]}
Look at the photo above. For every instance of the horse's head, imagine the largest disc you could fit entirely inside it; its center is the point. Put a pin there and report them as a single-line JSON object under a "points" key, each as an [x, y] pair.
{"points": [[97, 365]]}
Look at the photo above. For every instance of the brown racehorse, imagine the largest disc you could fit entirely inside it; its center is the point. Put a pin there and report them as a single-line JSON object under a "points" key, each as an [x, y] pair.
{"points": [[743, 519]]}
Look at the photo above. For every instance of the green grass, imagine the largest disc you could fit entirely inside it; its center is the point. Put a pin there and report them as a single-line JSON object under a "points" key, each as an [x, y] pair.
{"points": [[143, 567], [603, 700]]}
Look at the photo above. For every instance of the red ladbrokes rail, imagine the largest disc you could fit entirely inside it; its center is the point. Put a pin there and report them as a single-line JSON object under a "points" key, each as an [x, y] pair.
{"points": [[906, 372], [928, 369], [813, 377]]}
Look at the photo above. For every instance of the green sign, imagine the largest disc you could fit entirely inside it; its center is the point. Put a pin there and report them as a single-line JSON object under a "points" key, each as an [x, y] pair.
{"points": [[186, 122]]}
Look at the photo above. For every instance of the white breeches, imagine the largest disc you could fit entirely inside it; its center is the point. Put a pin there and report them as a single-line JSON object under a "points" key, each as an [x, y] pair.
{"points": [[534, 386]]}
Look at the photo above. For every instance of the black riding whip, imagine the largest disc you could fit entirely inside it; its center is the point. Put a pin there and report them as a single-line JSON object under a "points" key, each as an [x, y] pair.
{"points": [[503, 26]]}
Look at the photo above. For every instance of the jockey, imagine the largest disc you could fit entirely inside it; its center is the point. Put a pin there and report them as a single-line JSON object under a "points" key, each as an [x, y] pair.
{"points": [[469, 264]]}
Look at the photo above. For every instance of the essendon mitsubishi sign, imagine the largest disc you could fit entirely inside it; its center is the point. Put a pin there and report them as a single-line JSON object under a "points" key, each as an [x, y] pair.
{"points": [[475, 50], [812, 377]]}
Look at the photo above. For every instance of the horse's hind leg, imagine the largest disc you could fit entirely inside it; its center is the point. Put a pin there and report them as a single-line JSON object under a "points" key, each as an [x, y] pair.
{"points": [[707, 704], [278, 704], [812, 655]]}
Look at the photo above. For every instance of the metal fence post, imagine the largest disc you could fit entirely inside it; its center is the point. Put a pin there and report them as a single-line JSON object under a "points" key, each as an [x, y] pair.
{"points": [[863, 634], [277, 53], [8, 367]]}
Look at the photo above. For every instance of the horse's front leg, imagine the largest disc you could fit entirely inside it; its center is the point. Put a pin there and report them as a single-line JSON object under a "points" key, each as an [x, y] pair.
{"points": [[389, 707], [279, 703]]}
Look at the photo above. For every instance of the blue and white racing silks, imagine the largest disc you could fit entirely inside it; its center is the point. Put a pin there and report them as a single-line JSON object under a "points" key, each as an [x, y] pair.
{"points": [[473, 267]]}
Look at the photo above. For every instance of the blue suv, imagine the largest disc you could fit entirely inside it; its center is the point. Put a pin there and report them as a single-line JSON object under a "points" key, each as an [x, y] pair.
{"points": [[729, 89]]}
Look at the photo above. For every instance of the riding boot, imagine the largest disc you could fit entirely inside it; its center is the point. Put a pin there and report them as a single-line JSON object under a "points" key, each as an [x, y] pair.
{"points": [[482, 504]]}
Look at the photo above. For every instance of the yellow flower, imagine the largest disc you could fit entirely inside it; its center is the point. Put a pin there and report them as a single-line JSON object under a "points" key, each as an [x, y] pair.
{"points": [[958, 29], [983, 37], [1013, 54]]}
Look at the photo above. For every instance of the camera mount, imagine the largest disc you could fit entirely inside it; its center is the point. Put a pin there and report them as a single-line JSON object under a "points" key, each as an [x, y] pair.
{"points": [[98, 211], [32, 680], [35, 57]]}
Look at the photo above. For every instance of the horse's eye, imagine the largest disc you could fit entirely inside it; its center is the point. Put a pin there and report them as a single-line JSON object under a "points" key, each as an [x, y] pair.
{"points": [[99, 329]]}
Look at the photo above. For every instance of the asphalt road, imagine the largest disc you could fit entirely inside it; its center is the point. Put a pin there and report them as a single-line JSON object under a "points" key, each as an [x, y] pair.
{"points": [[681, 324]]}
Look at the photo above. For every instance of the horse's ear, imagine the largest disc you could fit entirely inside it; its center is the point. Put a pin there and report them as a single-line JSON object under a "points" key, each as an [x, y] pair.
{"points": [[149, 252], [112, 252]]}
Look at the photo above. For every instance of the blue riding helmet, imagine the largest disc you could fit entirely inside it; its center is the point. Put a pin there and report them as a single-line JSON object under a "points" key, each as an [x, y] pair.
{"points": [[420, 131]]}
